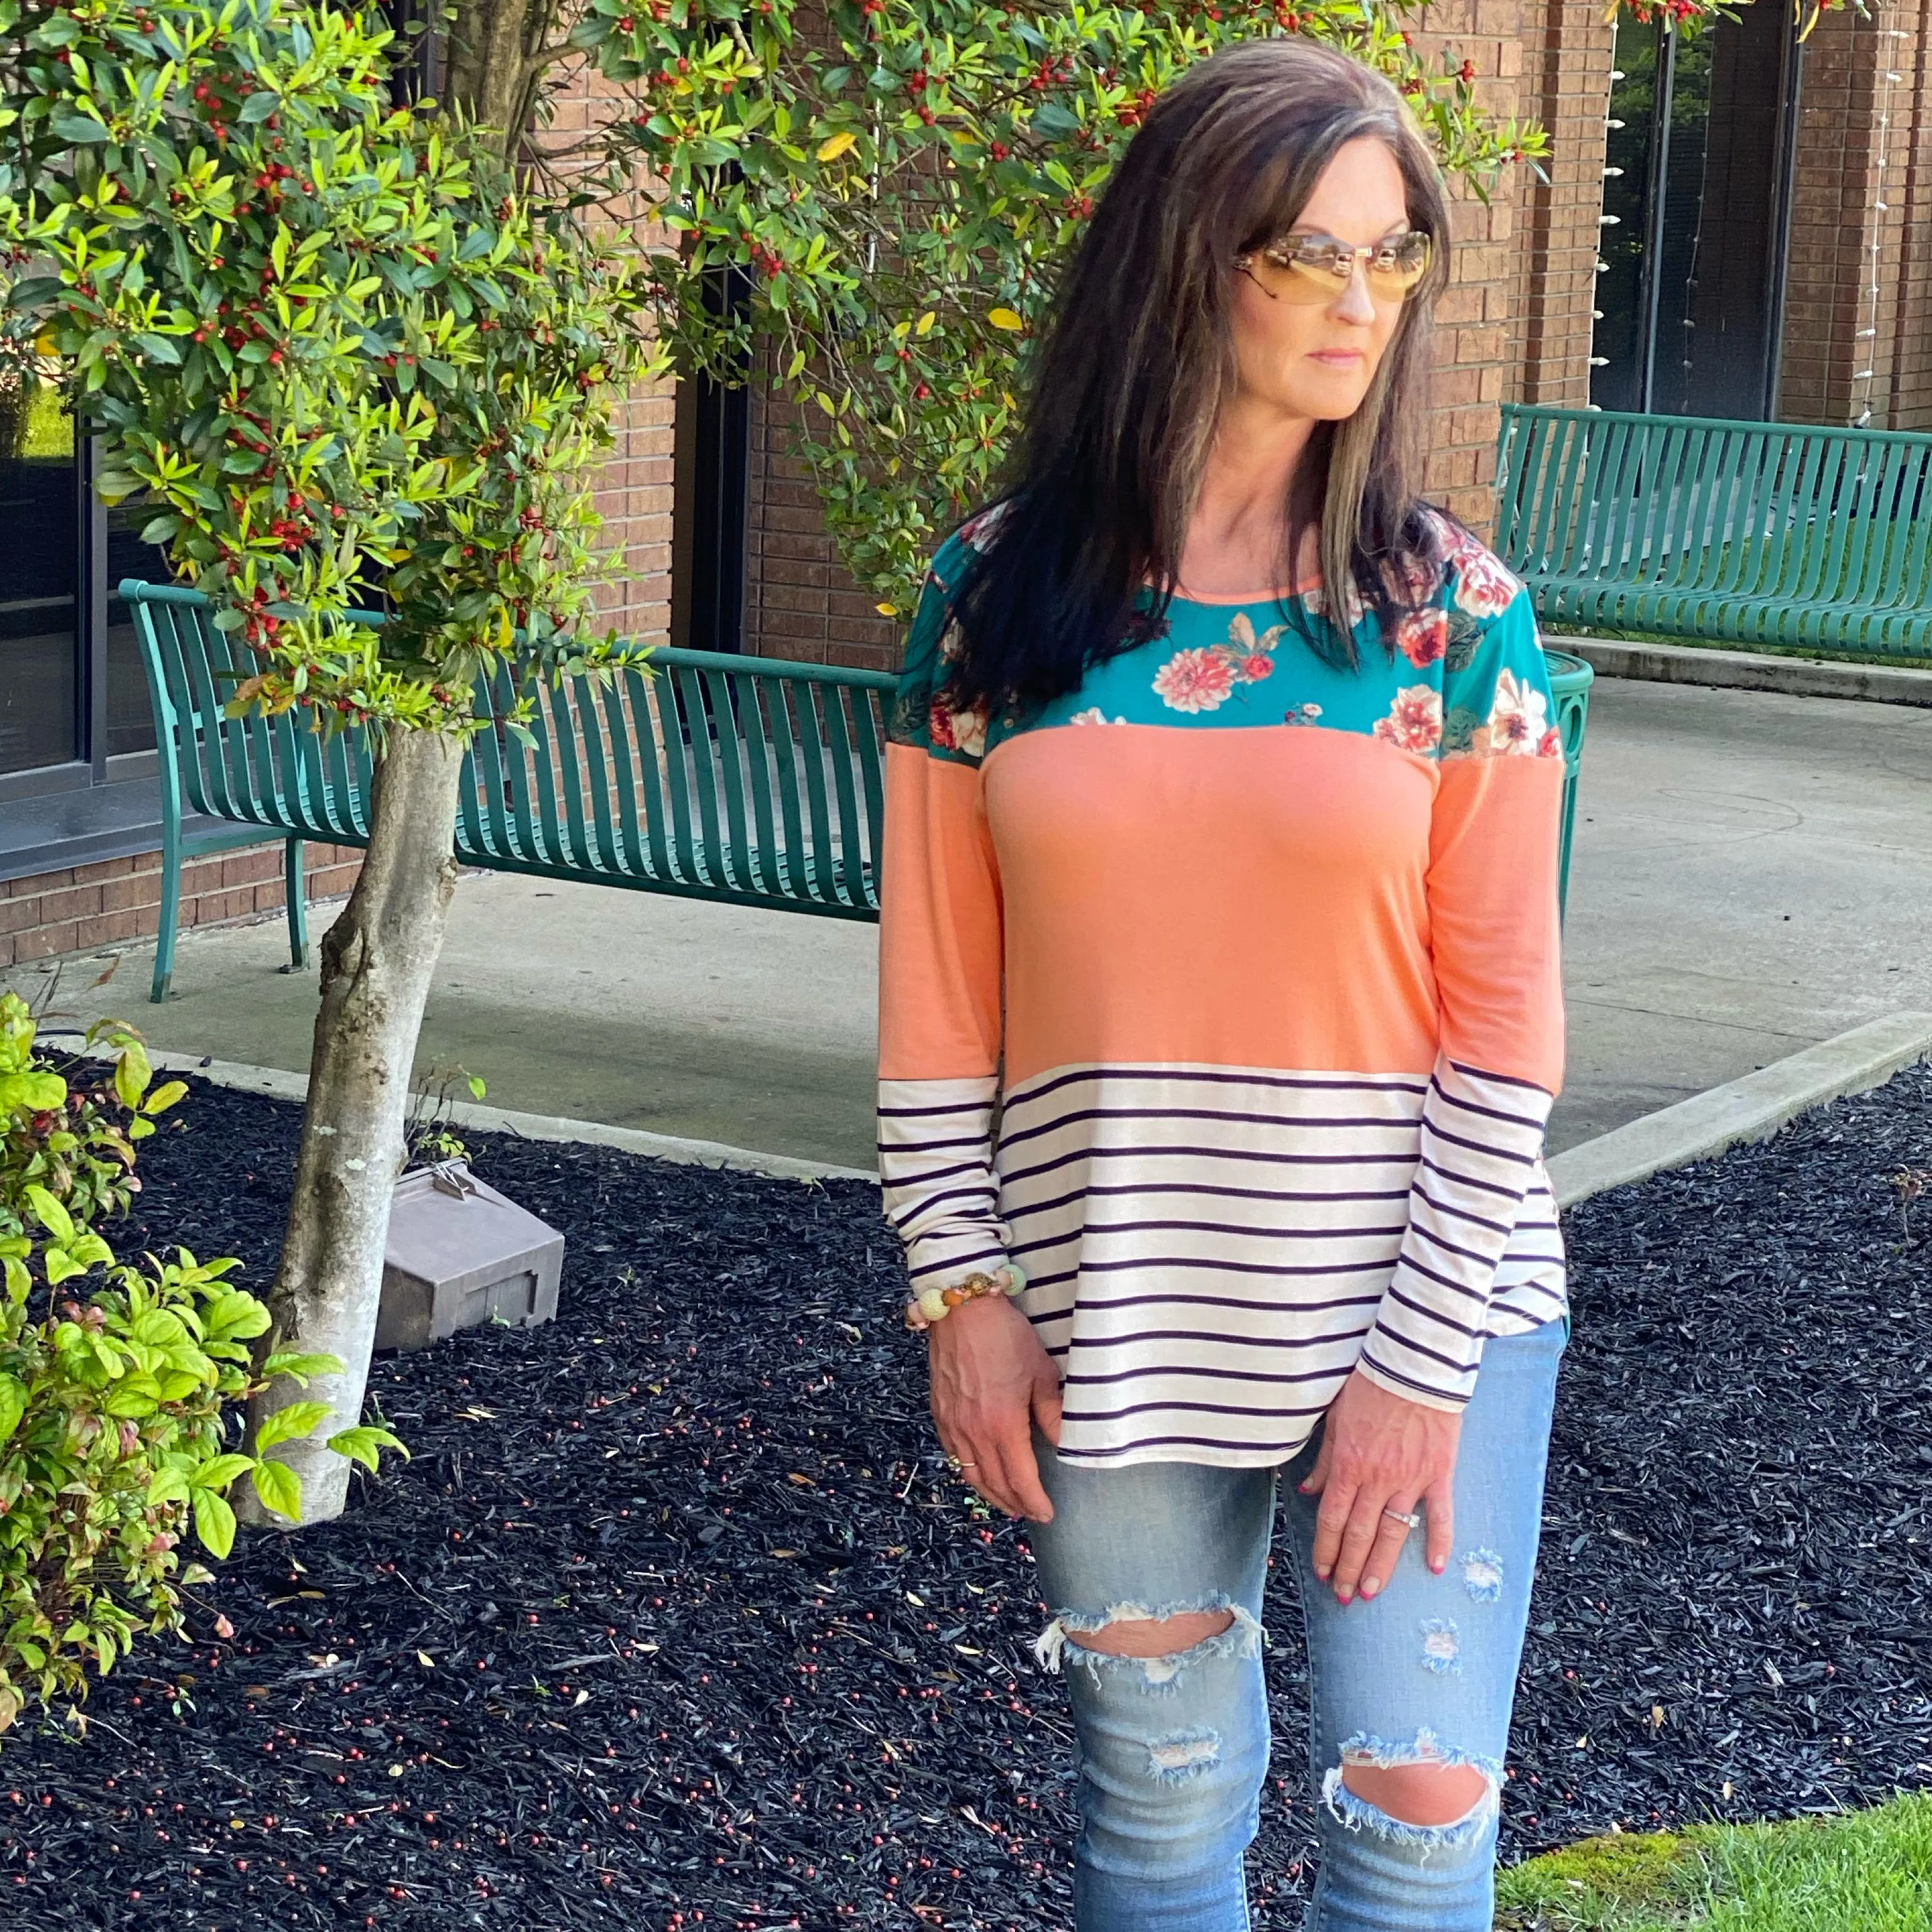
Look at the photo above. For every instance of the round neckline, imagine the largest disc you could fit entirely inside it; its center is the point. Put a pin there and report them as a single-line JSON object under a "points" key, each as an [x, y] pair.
{"points": [[1276, 596]]}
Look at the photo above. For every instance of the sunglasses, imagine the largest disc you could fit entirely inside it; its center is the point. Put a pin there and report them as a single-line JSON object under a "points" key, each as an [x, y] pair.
{"points": [[1315, 268]]}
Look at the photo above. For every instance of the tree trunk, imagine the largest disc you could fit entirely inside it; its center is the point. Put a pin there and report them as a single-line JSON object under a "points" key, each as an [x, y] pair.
{"points": [[495, 63], [376, 961]]}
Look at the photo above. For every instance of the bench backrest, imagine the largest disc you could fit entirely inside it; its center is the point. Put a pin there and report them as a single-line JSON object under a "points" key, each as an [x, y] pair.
{"points": [[1684, 504], [755, 780], [752, 779], [273, 771]]}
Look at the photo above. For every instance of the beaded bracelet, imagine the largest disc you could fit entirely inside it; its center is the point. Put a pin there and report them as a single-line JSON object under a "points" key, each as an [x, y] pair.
{"points": [[934, 1304]]}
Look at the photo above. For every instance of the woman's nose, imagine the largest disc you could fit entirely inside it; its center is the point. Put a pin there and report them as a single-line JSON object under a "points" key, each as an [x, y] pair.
{"points": [[1356, 304]]}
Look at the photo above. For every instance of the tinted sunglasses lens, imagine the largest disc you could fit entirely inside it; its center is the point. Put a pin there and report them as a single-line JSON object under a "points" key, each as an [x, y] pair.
{"points": [[1316, 268], [1396, 269]]}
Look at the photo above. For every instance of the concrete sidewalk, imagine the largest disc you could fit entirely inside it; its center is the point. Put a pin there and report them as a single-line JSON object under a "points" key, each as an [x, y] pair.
{"points": [[1753, 873]]}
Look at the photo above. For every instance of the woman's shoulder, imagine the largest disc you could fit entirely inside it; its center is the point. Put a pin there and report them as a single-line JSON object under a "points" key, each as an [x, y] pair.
{"points": [[1473, 579], [951, 560], [921, 716]]}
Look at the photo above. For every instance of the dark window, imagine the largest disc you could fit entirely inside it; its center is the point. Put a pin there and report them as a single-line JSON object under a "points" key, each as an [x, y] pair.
{"points": [[40, 670], [1690, 294], [76, 729], [710, 498]]}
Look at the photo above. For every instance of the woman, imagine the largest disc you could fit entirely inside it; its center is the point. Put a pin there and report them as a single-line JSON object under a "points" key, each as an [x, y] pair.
{"points": [[1220, 1015]]}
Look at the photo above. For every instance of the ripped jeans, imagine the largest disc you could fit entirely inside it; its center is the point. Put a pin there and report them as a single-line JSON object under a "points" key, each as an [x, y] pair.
{"points": [[1171, 1751]]}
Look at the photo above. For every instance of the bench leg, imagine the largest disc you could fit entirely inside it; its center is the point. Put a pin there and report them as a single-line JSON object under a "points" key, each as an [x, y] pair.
{"points": [[164, 936], [298, 904]]}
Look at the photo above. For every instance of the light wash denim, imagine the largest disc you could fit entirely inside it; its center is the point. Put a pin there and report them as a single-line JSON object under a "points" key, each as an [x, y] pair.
{"points": [[1170, 1751]]}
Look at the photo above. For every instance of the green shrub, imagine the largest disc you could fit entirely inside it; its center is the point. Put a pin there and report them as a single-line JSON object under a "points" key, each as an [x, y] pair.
{"points": [[114, 1378]]}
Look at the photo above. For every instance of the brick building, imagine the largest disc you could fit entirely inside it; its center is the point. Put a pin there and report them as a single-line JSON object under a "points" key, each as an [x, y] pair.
{"points": [[1735, 225]]}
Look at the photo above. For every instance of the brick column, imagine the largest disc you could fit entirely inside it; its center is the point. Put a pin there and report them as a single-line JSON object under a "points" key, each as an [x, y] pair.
{"points": [[1567, 55], [1477, 355]]}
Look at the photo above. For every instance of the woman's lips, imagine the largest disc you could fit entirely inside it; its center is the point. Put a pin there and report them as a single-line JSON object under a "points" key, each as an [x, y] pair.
{"points": [[1335, 358]]}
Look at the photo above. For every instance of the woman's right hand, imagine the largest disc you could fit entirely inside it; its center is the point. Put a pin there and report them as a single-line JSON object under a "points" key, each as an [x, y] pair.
{"points": [[993, 1384]]}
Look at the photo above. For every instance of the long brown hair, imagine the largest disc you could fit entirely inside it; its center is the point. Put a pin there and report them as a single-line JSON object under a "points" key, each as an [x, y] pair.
{"points": [[1136, 361]]}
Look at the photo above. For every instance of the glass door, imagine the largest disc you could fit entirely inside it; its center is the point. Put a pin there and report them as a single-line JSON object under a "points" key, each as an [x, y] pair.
{"points": [[1696, 198], [40, 689]]}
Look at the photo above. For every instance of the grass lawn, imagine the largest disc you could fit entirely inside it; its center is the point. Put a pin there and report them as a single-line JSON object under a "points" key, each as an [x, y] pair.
{"points": [[1863, 1871]]}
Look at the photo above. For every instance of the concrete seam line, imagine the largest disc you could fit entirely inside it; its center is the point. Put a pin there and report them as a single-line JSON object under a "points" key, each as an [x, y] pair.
{"points": [[1752, 1108], [1751, 671], [281, 1085]]}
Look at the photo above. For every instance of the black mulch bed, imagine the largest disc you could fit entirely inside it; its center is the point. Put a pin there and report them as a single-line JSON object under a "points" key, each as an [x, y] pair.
{"points": [[673, 1619]]}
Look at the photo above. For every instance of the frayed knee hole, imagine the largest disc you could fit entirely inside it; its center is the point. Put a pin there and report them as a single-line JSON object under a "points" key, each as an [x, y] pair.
{"points": [[1141, 1637], [1430, 1795]]}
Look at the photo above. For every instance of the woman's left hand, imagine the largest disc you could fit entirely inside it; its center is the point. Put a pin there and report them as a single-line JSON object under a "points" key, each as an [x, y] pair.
{"points": [[1380, 1454]]}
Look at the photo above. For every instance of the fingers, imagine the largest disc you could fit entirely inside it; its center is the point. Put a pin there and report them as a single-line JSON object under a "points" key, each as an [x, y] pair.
{"points": [[1440, 1503], [1358, 1538], [1316, 1480], [998, 1463], [1386, 1550], [1332, 1521], [1019, 1472], [1046, 1404]]}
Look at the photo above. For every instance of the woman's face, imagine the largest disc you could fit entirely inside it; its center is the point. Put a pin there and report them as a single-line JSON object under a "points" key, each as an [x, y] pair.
{"points": [[1316, 360]]}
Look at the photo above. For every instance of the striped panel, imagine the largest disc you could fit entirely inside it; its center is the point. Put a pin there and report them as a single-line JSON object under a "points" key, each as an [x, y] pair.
{"points": [[1481, 1153], [1205, 1246], [935, 1141], [1208, 1248]]}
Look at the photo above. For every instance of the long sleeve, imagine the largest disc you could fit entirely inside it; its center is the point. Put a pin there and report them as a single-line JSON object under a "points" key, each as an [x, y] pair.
{"points": [[1495, 942], [940, 973]]}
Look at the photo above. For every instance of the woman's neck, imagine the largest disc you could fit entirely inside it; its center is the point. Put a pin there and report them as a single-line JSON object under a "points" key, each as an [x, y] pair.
{"points": [[1235, 532]]}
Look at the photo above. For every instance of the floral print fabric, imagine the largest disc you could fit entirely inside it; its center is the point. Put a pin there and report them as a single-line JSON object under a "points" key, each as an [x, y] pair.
{"points": [[1466, 677]]}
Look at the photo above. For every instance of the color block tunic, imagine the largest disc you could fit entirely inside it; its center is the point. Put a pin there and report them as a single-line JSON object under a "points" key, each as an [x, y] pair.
{"points": [[1222, 996]]}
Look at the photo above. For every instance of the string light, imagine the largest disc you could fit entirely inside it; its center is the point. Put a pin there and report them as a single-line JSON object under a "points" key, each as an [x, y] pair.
{"points": [[1880, 208]]}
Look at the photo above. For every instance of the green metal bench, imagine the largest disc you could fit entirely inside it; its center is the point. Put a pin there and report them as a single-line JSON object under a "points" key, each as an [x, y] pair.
{"points": [[1684, 527], [754, 781]]}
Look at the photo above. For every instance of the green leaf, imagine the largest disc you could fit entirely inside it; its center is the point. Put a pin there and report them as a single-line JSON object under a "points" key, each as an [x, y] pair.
{"points": [[164, 1096], [81, 129], [132, 1073], [12, 1404], [168, 1486], [60, 1266], [32, 1093], [286, 1424], [301, 1368], [1052, 120], [234, 1316], [221, 1471], [279, 1487], [159, 348], [259, 106], [91, 1251], [48, 1212], [360, 1444], [214, 1523]]}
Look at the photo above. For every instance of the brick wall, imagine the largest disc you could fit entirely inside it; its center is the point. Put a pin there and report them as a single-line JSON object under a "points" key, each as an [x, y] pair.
{"points": [[1859, 293], [800, 601], [635, 496], [95, 908]]}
